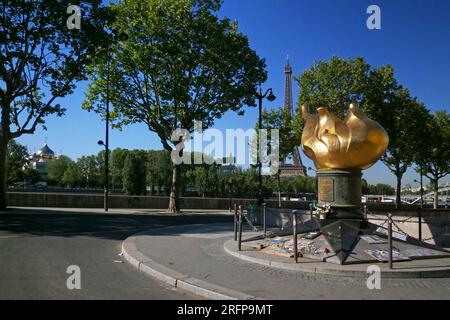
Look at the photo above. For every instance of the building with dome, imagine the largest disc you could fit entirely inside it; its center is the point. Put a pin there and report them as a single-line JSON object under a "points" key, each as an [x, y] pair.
{"points": [[39, 161]]}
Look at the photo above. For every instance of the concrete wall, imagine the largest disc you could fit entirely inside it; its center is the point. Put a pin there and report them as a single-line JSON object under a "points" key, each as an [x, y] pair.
{"points": [[70, 200], [64, 200]]}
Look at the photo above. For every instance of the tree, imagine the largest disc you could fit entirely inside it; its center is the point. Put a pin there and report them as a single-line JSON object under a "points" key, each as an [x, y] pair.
{"points": [[433, 155], [302, 184], [178, 63], [90, 176], [16, 158], [288, 138], [56, 170], [31, 175], [384, 189], [116, 167], [100, 163], [40, 61], [405, 130], [159, 170], [245, 182], [337, 83], [378, 189], [71, 176], [134, 173]]}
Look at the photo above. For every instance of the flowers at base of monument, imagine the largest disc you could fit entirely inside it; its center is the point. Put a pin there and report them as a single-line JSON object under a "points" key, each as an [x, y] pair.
{"points": [[322, 210]]}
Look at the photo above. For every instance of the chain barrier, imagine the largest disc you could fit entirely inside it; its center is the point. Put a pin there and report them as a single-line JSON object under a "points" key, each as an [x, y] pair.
{"points": [[402, 221], [250, 223], [395, 224], [268, 234]]}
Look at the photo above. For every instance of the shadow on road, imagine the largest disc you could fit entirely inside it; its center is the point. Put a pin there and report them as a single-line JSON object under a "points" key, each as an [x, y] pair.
{"points": [[30, 222]]}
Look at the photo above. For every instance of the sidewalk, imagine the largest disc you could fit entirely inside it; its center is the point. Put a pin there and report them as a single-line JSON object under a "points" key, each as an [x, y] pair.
{"points": [[193, 258]]}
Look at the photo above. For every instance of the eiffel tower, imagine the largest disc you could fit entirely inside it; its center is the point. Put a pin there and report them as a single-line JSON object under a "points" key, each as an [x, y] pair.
{"points": [[296, 168]]}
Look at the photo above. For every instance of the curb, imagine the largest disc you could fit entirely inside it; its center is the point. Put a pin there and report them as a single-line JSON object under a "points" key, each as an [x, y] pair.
{"points": [[174, 278], [394, 274]]}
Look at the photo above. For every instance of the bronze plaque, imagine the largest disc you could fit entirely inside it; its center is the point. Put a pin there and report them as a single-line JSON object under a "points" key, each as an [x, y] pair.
{"points": [[326, 189]]}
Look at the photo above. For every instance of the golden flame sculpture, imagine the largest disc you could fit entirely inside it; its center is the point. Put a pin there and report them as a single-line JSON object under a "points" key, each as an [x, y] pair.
{"points": [[355, 143]]}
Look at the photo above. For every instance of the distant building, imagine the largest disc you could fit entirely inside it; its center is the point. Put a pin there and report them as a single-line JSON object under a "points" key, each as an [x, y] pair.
{"points": [[39, 161], [296, 168]]}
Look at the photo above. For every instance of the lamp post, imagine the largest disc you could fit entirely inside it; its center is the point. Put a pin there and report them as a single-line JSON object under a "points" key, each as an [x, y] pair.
{"points": [[106, 145], [106, 187], [271, 97], [421, 188], [122, 36], [227, 171]]}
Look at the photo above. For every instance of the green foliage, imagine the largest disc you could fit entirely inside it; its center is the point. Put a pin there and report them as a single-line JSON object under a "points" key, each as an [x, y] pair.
{"points": [[89, 173], [299, 184], [117, 163], [245, 183], [159, 171], [335, 84], [56, 170], [39, 51], [433, 154], [152, 169], [134, 173], [72, 176], [378, 189], [31, 175], [288, 136], [177, 62], [16, 158], [40, 62], [288, 139]]}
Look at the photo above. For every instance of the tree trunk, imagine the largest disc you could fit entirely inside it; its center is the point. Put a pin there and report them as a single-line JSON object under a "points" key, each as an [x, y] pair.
{"points": [[436, 193], [174, 201], [3, 147], [398, 200]]}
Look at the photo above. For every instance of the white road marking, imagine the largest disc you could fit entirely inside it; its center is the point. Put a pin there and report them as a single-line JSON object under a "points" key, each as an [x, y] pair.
{"points": [[8, 237]]}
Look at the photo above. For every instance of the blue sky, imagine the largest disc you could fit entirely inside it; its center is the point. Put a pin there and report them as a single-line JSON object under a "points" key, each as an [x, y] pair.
{"points": [[414, 38]]}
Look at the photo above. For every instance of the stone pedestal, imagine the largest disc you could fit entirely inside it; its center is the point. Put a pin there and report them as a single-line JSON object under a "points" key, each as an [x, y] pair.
{"points": [[341, 189]]}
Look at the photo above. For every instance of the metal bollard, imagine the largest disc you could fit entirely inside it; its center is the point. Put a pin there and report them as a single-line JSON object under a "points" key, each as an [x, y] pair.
{"points": [[235, 221], [264, 219], [390, 241], [294, 228], [240, 228], [311, 210], [365, 212], [419, 217]]}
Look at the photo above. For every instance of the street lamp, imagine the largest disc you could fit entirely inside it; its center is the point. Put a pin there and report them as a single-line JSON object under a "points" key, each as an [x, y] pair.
{"points": [[122, 36], [421, 189], [270, 97], [106, 186]]}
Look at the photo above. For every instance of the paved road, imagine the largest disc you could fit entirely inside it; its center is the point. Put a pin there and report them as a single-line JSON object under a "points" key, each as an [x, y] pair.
{"points": [[36, 249]]}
